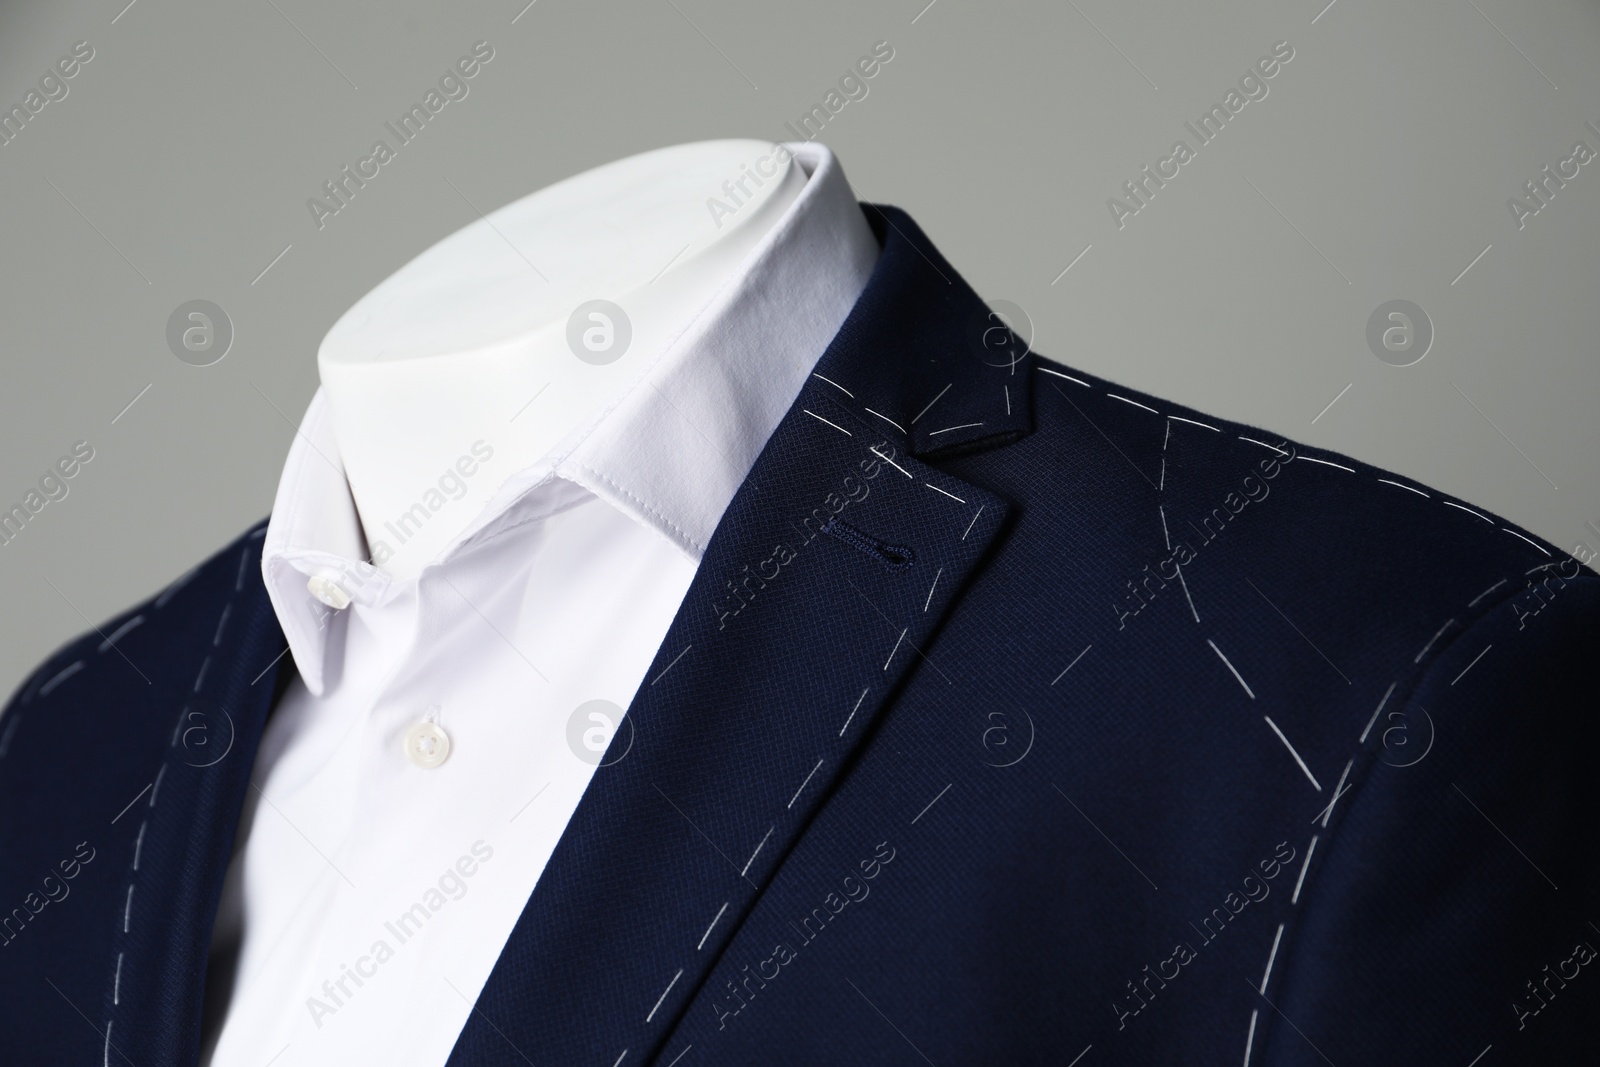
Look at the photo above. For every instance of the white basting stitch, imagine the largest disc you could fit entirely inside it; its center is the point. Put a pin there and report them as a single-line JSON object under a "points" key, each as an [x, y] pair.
{"points": [[1469, 511], [156, 786], [200, 678], [1135, 403], [1058, 374], [886, 418], [889, 461], [618, 1061], [712, 927], [107, 1060], [127, 910], [835, 425], [1183, 582], [1191, 422], [244, 558], [1071, 665], [1007, 388], [1292, 752], [1168, 435], [1263, 444], [5, 735], [657, 1008], [932, 402], [936, 489], [1165, 536], [680, 1055], [65, 673], [1338, 791], [1474, 601], [974, 521], [1163, 484], [1535, 544], [1328, 463], [1271, 957], [931, 588], [853, 711], [835, 384], [138, 845], [1304, 864], [931, 803], [1250, 1038], [895, 649], [1471, 665], [216, 638], [1419, 492], [1230, 667], [947, 429], [1363, 739], [116, 983], [803, 785], [119, 631], [757, 852], [1447, 624]]}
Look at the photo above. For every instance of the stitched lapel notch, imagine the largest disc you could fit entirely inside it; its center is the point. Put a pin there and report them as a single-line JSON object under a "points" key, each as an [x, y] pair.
{"points": [[820, 591]]}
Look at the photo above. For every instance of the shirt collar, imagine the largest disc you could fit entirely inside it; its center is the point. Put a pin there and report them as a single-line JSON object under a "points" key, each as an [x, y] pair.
{"points": [[670, 451]]}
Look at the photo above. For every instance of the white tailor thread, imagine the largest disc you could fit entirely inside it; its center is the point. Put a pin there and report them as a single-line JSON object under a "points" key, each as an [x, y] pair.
{"points": [[757, 852], [712, 927], [1230, 667], [1386, 481], [835, 425], [657, 1008], [853, 711], [835, 384], [1535, 544], [1381, 703], [67, 672], [889, 461], [1293, 753], [1191, 422], [119, 631], [803, 785], [1273, 955], [974, 521], [1135, 403], [1298, 882], [1058, 374], [1469, 511]]}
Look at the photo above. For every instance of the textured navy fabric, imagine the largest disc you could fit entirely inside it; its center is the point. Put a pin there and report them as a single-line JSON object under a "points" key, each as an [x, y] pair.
{"points": [[1173, 742]]}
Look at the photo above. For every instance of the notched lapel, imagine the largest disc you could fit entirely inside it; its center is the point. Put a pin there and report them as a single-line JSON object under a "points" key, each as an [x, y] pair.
{"points": [[791, 640]]}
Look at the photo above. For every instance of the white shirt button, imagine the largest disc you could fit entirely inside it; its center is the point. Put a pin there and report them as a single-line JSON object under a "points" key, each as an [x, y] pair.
{"points": [[427, 745], [329, 592]]}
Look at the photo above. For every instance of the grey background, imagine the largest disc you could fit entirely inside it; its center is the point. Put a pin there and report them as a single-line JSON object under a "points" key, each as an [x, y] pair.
{"points": [[1377, 168]]}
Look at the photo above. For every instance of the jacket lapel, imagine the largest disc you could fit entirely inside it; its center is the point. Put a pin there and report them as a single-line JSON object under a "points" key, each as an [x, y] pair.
{"points": [[819, 592], [210, 713]]}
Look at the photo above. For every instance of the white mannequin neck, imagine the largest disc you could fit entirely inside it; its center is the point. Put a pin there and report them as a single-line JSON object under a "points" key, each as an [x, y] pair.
{"points": [[464, 352]]}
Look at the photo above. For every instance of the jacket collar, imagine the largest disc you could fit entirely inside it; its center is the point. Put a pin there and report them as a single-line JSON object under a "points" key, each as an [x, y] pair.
{"points": [[786, 648]]}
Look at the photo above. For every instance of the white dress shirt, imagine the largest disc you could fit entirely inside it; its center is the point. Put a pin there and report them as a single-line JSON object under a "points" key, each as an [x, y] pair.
{"points": [[369, 897]]}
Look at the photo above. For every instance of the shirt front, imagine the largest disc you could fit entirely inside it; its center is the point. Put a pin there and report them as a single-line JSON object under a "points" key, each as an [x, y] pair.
{"points": [[369, 896]]}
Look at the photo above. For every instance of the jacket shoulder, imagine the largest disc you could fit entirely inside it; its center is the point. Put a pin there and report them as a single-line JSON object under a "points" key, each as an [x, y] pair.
{"points": [[120, 636], [1252, 499]]}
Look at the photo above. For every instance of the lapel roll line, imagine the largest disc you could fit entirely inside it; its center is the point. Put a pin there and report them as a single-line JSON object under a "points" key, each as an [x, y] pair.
{"points": [[819, 592], [180, 830]]}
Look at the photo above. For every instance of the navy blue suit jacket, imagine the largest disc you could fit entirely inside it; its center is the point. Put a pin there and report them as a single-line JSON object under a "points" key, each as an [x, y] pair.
{"points": [[1013, 716]]}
